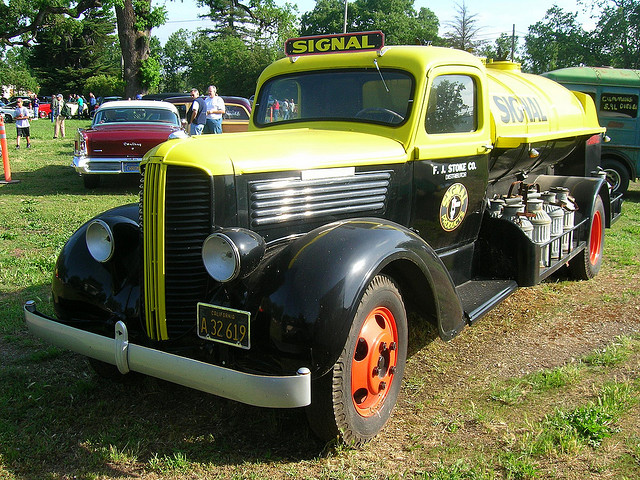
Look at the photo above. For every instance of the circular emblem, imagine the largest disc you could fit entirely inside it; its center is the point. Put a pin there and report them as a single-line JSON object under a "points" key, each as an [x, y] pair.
{"points": [[453, 207]]}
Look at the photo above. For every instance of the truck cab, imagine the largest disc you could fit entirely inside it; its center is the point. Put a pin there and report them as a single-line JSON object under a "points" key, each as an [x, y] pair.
{"points": [[280, 267]]}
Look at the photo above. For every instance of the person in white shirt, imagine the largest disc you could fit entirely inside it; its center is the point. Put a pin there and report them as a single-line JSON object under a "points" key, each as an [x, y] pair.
{"points": [[21, 116], [215, 110]]}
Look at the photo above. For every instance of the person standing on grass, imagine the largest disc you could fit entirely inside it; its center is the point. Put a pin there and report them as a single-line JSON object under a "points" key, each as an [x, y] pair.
{"points": [[21, 116], [59, 129]]}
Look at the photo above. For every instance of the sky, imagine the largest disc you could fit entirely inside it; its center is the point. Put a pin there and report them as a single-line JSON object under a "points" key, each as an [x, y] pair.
{"points": [[493, 16]]}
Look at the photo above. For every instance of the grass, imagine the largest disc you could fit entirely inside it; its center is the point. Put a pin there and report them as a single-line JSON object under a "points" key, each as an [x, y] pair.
{"points": [[544, 387]]}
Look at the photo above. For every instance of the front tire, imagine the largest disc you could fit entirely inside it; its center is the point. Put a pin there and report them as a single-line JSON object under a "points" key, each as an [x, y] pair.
{"points": [[355, 399], [586, 265], [617, 175]]}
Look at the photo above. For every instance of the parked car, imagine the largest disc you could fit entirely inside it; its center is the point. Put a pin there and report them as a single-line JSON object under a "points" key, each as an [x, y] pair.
{"points": [[120, 134], [235, 120], [9, 110]]}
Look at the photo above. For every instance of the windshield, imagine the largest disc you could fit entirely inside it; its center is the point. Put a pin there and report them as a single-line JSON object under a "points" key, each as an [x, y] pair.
{"points": [[367, 95], [135, 115]]}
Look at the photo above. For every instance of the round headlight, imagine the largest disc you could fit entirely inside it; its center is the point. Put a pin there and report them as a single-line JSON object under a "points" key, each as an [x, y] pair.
{"points": [[221, 257], [99, 238]]}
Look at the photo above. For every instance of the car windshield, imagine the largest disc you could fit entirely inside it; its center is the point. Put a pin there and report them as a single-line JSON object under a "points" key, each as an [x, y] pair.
{"points": [[367, 95], [136, 115]]}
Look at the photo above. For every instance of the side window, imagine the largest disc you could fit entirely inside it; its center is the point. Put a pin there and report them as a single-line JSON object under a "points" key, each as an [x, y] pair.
{"points": [[452, 105], [621, 105]]}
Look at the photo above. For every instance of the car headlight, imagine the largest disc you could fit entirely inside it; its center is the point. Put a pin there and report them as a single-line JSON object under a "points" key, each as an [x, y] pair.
{"points": [[178, 134], [99, 238], [232, 253]]}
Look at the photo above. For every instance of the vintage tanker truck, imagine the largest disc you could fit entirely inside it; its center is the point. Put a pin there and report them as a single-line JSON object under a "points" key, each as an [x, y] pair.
{"points": [[280, 267]]}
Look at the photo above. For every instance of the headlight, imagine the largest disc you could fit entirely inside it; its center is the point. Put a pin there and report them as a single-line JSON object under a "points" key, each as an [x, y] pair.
{"points": [[99, 238], [233, 253], [178, 134]]}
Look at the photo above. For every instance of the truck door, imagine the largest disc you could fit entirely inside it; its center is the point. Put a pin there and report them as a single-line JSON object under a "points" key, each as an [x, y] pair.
{"points": [[618, 112], [451, 160]]}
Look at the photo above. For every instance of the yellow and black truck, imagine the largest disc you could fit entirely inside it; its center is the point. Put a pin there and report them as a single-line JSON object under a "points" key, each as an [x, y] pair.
{"points": [[377, 185]]}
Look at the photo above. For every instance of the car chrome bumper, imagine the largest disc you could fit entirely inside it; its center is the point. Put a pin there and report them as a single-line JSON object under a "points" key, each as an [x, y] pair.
{"points": [[259, 390], [105, 165]]}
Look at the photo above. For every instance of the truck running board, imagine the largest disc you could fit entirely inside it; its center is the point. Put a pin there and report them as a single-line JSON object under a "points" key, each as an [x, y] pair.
{"points": [[480, 296]]}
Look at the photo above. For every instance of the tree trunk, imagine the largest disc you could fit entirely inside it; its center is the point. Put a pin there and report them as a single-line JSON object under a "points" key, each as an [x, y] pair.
{"points": [[135, 47]]}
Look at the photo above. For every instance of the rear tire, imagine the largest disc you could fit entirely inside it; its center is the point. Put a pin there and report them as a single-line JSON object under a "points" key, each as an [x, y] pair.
{"points": [[355, 399], [617, 175], [586, 265]]}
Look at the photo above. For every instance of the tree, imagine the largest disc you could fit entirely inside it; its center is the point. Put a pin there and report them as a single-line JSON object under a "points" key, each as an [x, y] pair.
{"points": [[229, 63], [616, 39], [136, 18], [14, 70], [175, 58], [398, 20], [463, 30], [69, 51], [260, 21], [501, 49], [20, 20], [557, 41]]}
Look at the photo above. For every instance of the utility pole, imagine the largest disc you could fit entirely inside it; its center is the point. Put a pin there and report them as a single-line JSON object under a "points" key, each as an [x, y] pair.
{"points": [[346, 3], [513, 42]]}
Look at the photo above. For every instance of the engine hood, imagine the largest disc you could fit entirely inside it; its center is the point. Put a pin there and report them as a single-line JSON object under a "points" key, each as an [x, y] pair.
{"points": [[282, 150]]}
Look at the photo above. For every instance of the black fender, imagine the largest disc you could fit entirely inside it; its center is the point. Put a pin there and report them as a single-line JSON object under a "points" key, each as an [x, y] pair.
{"points": [[584, 190], [317, 281], [91, 295]]}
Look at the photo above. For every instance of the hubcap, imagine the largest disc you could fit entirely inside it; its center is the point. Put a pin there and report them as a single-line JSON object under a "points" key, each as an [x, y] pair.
{"points": [[374, 361]]}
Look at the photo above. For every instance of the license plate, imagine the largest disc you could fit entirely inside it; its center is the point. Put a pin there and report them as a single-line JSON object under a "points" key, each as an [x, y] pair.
{"points": [[224, 325], [131, 167]]}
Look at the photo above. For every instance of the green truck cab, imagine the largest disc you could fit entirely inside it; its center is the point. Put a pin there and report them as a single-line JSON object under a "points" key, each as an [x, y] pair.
{"points": [[280, 267], [615, 92]]}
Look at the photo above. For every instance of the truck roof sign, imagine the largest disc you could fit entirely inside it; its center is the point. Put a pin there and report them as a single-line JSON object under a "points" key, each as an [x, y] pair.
{"points": [[344, 42]]}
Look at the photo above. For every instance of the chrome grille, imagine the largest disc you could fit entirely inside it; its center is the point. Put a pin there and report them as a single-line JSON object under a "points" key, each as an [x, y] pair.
{"points": [[293, 199]]}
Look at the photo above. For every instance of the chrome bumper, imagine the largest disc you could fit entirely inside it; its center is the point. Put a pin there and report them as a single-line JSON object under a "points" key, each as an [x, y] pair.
{"points": [[105, 165], [259, 390]]}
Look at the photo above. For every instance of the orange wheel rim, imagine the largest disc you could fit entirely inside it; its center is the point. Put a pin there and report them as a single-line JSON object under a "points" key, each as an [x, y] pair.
{"points": [[595, 240], [374, 361]]}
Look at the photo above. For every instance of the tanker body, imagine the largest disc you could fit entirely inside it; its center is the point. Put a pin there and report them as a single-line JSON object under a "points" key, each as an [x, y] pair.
{"points": [[278, 267]]}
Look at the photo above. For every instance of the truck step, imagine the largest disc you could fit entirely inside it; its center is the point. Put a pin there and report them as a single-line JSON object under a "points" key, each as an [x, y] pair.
{"points": [[481, 295]]}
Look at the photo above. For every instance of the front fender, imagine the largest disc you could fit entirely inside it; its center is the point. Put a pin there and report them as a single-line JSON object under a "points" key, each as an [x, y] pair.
{"points": [[93, 295], [317, 282]]}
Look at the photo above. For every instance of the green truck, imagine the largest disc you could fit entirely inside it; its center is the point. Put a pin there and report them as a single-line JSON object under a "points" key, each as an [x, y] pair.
{"points": [[615, 92]]}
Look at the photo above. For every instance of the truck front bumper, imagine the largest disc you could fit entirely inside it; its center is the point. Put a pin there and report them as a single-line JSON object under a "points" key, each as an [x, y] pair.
{"points": [[259, 390]]}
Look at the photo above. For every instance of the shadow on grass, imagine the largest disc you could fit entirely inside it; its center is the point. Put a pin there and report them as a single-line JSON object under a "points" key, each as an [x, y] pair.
{"points": [[57, 179]]}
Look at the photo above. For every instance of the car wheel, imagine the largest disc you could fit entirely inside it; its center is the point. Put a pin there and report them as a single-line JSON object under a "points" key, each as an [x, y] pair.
{"points": [[91, 181], [586, 265], [42, 115], [8, 118], [355, 399], [617, 175]]}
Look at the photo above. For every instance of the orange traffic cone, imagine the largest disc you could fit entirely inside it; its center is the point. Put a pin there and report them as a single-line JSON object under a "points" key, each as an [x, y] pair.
{"points": [[5, 154]]}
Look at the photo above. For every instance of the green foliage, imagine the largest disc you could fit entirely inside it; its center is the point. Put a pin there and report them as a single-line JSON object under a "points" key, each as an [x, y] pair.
{"points": [[14, 70], [398, 20], [150, 74], [103, 85], [613, 354], [228, 63], [557, 41], [460, 470], [71, 51]]}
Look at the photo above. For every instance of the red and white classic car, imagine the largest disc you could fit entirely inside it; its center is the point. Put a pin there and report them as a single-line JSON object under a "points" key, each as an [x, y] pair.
{"points": [[119, 136]]}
